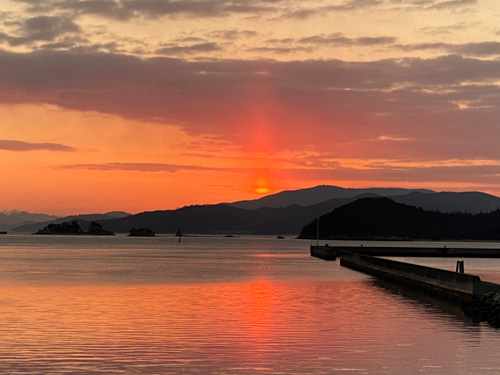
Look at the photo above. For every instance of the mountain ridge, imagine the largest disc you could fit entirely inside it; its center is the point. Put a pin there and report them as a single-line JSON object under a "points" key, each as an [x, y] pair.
{"points": [[11, 219], [225, 218], [318, 194]]}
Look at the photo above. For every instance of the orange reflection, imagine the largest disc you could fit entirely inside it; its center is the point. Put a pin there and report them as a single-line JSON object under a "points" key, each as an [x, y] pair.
{"points": [[260, 305], [233, 327]]}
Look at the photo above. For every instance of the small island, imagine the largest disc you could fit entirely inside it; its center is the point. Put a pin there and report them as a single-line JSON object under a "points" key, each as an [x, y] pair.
{"points": [[73, 228], [141, 232]]}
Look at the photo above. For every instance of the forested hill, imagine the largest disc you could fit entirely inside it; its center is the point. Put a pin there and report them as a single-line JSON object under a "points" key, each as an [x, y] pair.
{"points": [[382, 218]]}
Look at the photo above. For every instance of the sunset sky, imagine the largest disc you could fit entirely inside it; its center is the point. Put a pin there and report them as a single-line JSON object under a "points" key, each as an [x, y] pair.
{"points": [[140, 105]]}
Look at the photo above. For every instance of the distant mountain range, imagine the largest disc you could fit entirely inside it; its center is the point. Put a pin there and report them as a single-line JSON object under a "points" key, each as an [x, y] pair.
{"points": [[11, 219], [284, 213], [319, 194]]}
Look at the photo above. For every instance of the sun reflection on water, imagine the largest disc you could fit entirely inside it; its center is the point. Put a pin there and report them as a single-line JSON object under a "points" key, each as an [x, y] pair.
{"points": [[118, 313]]}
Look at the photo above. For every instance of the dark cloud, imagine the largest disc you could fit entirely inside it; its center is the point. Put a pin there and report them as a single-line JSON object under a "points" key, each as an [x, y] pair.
{"points": [[354, 5], [449, 29], [126, 9], [279, 50], [345, 6], [311, 43], [468, 49], [233, 34], [106, 8], [173, 49], [332, 39], [479, 49], [41, 29], [339, 39], [450, 98], [190, 39], [11, 145], [63, 45], [48, 27], [425, 46], [451, 4]]}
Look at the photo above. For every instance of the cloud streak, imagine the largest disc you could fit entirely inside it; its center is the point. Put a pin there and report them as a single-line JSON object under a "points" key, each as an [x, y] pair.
{"points": [[481, 49], [151, 168], [20, 146], [436, 172]]}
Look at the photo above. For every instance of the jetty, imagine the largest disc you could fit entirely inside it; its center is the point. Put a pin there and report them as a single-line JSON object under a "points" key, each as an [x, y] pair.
{"points": [[328, 252], [456, 285], [479, 299]]}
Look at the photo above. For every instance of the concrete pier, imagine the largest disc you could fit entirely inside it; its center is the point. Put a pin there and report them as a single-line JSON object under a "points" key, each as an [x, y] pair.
{"points": [[455, 285], [324, 252], [332, 252]]}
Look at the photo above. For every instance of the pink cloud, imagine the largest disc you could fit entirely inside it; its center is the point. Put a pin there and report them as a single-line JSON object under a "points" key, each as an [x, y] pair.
{"points": [[444, 106]]}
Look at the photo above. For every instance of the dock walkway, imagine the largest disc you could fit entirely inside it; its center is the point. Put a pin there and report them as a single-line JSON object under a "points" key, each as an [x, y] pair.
{"points": [[332, 252], [456, 285]]}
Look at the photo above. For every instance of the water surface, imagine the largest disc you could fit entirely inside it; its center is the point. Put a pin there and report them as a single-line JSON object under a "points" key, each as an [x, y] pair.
{"points": [[215, 305]]}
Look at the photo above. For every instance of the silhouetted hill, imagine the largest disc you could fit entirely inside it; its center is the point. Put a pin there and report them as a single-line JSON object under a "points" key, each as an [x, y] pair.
{"points": [[224, 219], [470, 202], [214, 219], [288, 218], [318, 194], [383, 218], [11, 219]]}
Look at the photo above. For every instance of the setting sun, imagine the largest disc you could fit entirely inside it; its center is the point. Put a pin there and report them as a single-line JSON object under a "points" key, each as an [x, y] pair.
{"points": [[262, 186], [262, 181], [262, 190]]}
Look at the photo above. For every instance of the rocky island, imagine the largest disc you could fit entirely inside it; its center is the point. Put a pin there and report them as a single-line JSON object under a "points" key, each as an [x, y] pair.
{"points": [[73, 228]]}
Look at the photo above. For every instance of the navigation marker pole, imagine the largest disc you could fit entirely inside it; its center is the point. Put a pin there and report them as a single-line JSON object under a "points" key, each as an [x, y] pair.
{"points": [[317, 231]]}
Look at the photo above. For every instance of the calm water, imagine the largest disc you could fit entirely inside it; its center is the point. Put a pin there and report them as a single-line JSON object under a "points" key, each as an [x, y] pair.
{"points": [[215, 305]]}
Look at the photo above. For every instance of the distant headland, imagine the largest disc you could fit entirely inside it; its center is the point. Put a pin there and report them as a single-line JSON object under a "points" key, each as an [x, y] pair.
{"points": [[384, 219]]}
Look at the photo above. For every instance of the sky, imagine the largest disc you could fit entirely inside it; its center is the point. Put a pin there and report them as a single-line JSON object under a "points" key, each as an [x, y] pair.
{"points": [[140, 105]]}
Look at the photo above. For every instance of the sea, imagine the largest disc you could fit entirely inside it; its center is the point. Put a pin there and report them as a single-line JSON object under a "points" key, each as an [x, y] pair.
{"points": [[224, 305]]}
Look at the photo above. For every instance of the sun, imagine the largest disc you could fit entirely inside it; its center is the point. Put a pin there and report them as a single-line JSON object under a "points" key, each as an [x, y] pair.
{"points": [[262, 182], [261, 190]]}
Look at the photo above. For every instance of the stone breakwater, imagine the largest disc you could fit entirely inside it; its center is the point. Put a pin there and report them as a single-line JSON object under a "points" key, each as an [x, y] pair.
{"points": [[485, 308], [479, 300], [449, 284]]}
